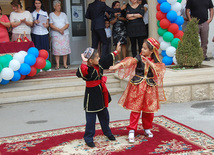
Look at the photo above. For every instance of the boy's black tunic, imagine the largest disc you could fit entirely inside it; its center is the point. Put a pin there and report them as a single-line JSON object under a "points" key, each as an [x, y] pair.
{"points": [[94, 98]]}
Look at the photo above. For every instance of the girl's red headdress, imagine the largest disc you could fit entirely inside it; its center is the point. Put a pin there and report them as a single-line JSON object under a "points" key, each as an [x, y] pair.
{"points": [[156, 45]]}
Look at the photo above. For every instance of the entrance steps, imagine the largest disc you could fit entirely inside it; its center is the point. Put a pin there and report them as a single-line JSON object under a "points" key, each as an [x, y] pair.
{"points": [[50, 88]]}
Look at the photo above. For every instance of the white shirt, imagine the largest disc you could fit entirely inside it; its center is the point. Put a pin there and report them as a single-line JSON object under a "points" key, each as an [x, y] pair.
{"points": [[16, 17], [39, 29], [58, 21], [108, 32], [146, 15]]}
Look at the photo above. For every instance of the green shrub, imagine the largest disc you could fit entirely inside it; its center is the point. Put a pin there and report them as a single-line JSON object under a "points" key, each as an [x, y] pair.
{"points": [[189, 52]]}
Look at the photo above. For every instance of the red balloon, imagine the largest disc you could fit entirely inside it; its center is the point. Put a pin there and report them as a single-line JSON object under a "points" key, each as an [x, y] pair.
{"points": [[160, 15], [40, 63], [33, 71], [158, 7], [173, 28], [179, 35], [43, 54], [22, 77], [164, 23]]}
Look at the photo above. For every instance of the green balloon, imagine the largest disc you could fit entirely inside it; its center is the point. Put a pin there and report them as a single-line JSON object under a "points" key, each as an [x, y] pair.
{"points": [[168, 36], [9, 57], [1, 68], [4, 61], [158, 23], [179, 1], [47, 66], [161, 31], [38, 70], [175, 42]]}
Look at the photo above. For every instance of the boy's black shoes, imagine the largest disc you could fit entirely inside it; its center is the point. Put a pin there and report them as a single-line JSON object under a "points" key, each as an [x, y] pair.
{"points": [[91, 144], [112, 138]]}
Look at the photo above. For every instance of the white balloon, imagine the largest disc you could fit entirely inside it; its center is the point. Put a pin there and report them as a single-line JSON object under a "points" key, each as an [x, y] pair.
{"points": [[170, 51], [164, 45], [0, 78], [14, 65], [175, 60], [7, 73], [23, 53], [179, 13], [160, 39], [176, 7], [19, 57], [171, 1]]}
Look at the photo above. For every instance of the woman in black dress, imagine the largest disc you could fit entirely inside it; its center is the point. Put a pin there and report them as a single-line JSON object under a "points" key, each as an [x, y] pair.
{"points": [[118, 20], [136, 29]]}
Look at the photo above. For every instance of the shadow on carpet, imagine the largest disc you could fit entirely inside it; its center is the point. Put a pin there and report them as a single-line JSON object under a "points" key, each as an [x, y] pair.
{"points": [[170, 137]]}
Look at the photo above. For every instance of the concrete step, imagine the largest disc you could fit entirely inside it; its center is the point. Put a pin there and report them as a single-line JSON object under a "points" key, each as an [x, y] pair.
{"points": [[50, 88]]}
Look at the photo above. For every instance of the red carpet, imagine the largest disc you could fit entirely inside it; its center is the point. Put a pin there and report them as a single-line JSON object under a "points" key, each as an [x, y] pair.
{"points": [[170, 137]]}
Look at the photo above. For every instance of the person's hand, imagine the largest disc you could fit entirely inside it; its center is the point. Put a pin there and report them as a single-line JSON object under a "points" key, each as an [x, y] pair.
{"points": [[61, 31], [123, 7], [36, 21], [213, 39], [23, 20], [83, 58], [118, 48], [45, 25], [209, 21]]}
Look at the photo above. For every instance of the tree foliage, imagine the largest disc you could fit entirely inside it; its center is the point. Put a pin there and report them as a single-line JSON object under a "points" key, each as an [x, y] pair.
{"points": [[189, 52]]}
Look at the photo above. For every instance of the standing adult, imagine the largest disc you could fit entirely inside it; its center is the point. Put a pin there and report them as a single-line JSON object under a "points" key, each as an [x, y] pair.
{"points": [[21, 21], [136, 28], [118, 20], [39, 30], [59, 34], [199, 9], [146, 14], [4, 24], [95, 12]]}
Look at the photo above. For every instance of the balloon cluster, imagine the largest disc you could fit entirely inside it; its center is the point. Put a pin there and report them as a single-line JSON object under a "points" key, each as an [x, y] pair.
{"points": [[170, 28], [23, 64]]}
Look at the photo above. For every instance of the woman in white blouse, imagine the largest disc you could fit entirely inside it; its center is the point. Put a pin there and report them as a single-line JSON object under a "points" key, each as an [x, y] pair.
{"points": [[39, 30], [59, 34], [21, 21]]}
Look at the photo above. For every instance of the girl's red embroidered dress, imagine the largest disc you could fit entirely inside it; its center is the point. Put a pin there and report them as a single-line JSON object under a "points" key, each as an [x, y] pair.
{"points": [[145, 88]]}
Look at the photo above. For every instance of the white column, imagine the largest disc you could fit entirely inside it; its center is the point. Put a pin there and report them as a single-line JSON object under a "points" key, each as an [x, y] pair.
{"points": [[152, 19]]}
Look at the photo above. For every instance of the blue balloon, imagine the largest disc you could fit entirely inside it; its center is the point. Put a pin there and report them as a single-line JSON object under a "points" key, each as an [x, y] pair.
{"points": [[167, 60], [24, 69], [4, 82], [16, 76], [179, 21], [171, 16], [165, 7], [34, 51], [161, 1], [180, 28], [30, 59], [163, 53]]}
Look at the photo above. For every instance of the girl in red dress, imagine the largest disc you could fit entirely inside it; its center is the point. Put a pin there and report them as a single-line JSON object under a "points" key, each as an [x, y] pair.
{"points": [[145, 88]]}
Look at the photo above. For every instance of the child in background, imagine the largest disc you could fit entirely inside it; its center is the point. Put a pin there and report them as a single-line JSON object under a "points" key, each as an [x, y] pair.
{"points": [[145, 89], [108, 35], [97, 96]]}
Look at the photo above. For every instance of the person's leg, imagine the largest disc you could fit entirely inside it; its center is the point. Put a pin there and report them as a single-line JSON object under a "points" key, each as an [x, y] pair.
{"points": [[204, 32], [147, 119], [90, 127], [103, 117], [65, 57], [133, 46], [123, 47], [134, 118], [95, 39], [57, 61], [140, 42], [104, 41]]}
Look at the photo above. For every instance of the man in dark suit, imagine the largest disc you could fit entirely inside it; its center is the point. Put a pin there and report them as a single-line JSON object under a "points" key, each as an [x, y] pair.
{"points": [[95, 13]]}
